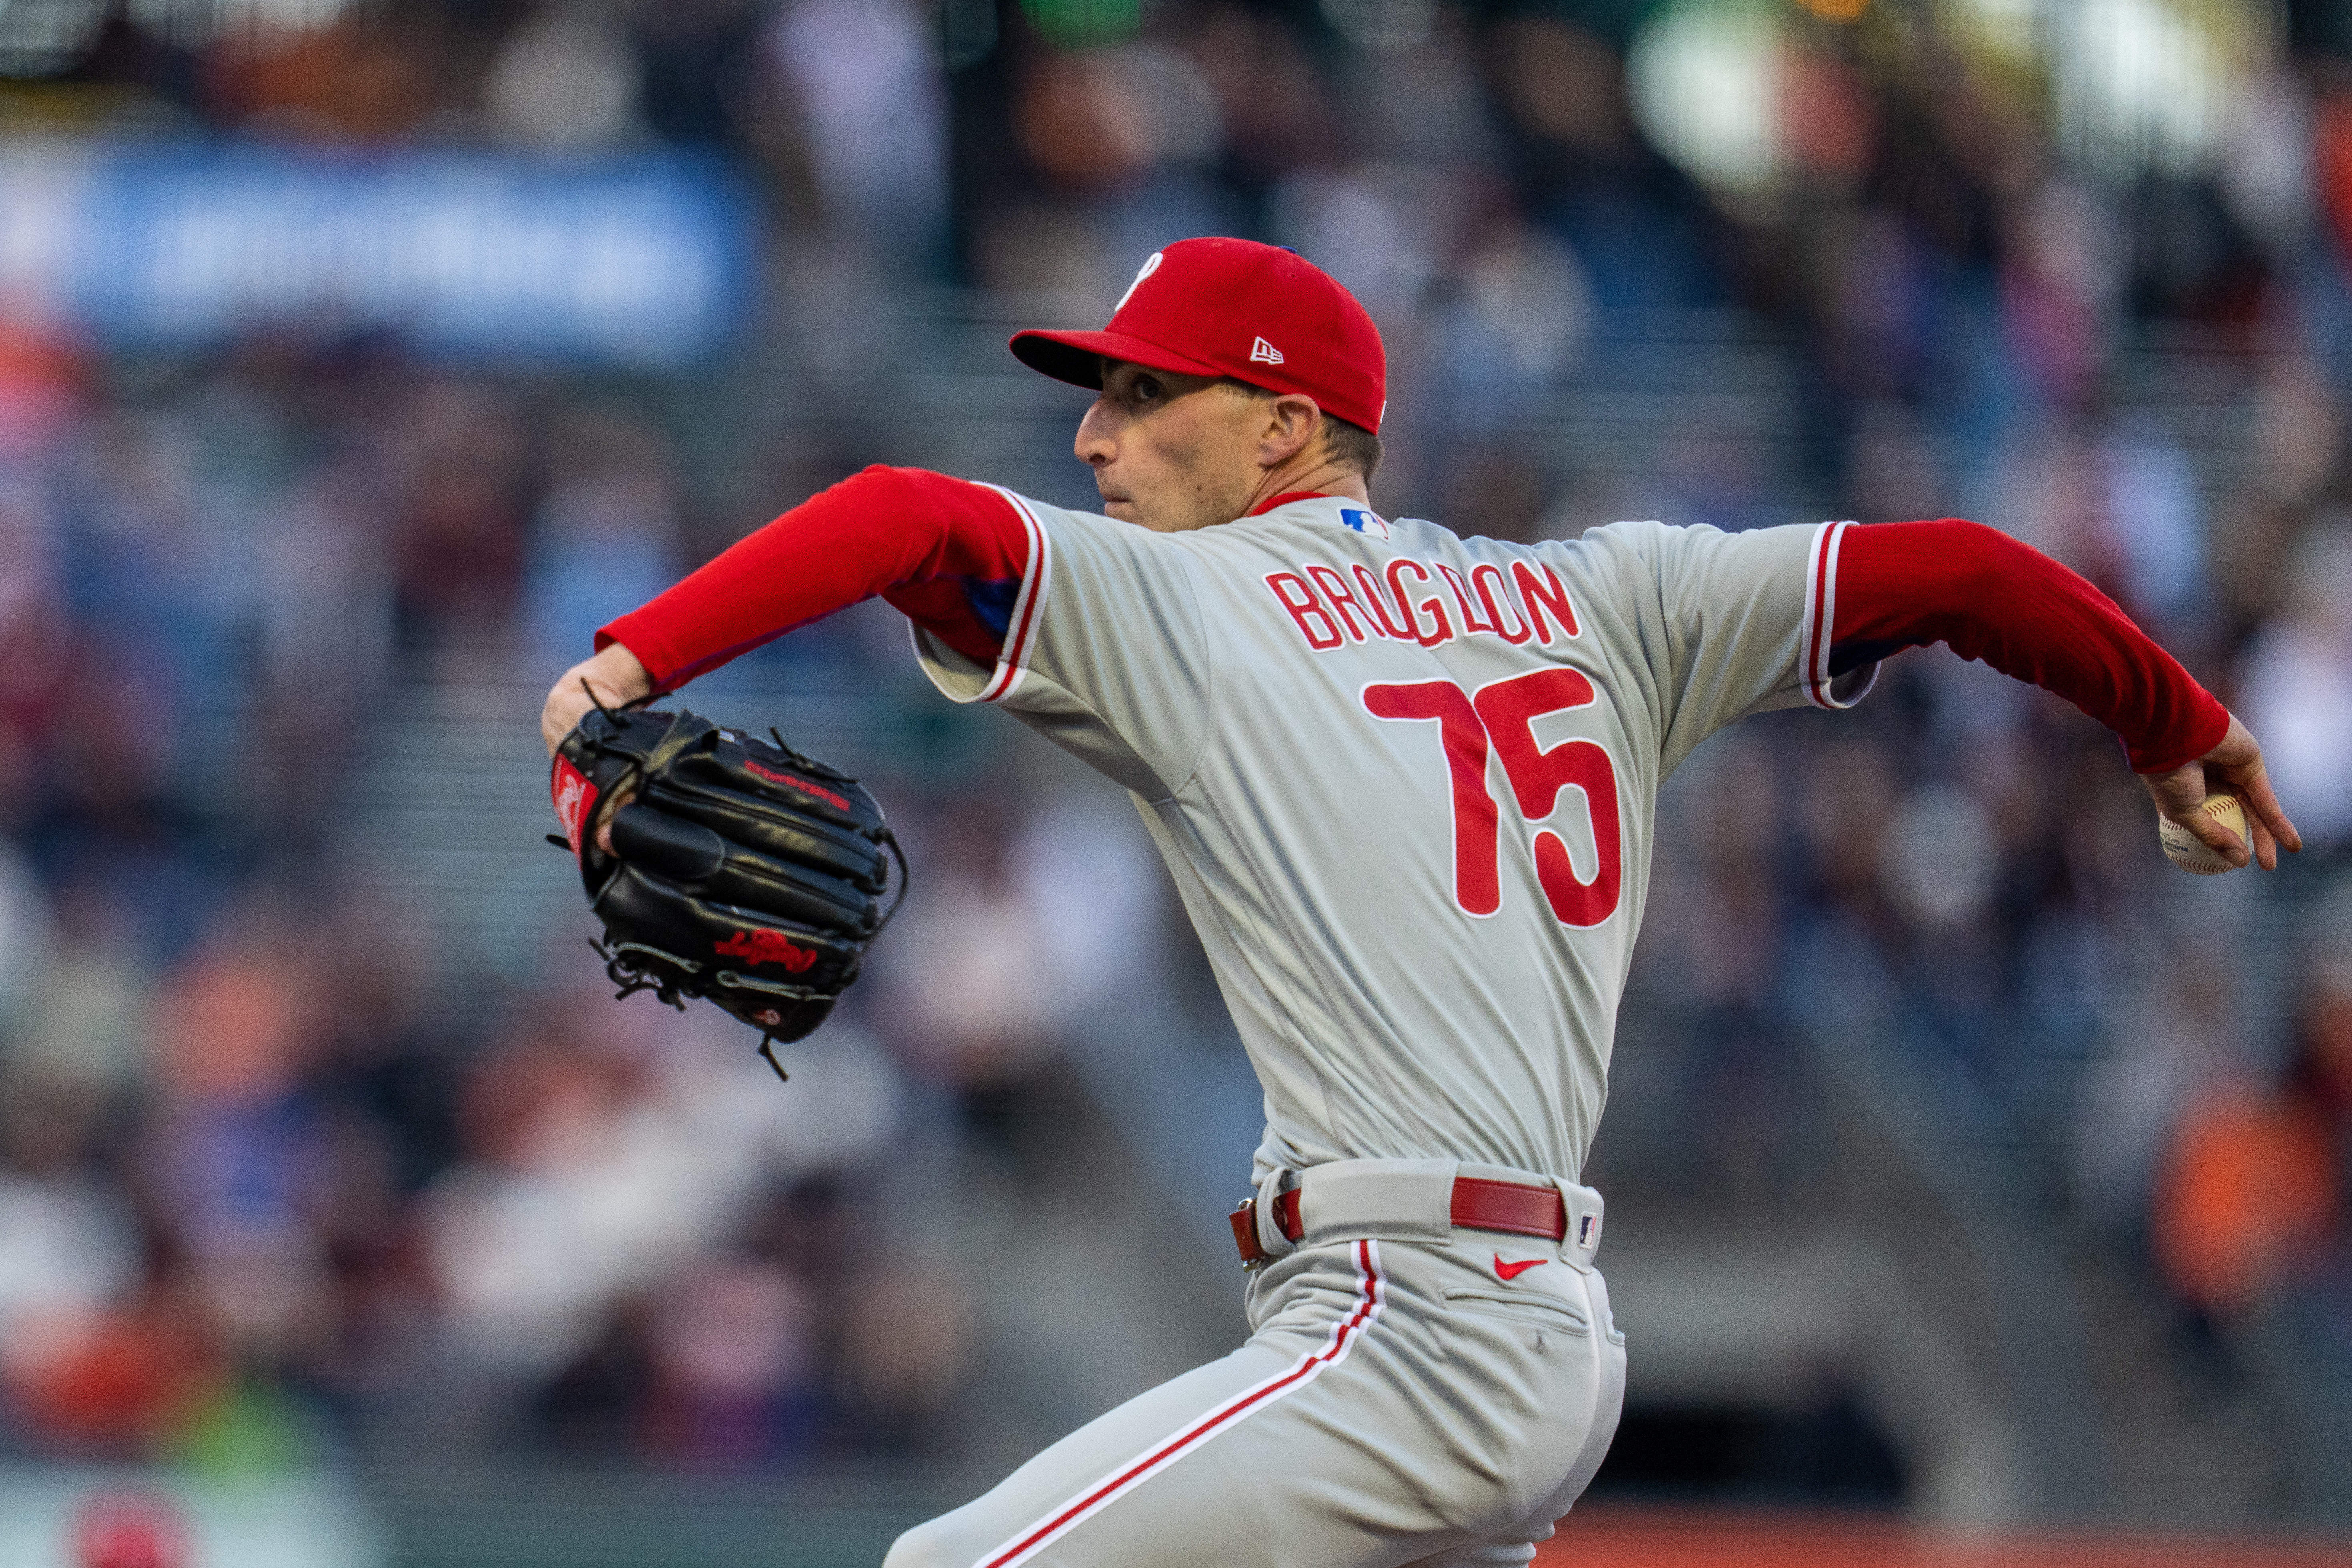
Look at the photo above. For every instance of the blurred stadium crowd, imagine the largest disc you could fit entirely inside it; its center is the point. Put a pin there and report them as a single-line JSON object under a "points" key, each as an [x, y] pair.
{"points": [[273, 1184]]}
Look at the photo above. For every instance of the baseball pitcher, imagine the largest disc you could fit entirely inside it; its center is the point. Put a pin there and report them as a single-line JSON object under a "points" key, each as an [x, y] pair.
{"points": [[1405, 784]]}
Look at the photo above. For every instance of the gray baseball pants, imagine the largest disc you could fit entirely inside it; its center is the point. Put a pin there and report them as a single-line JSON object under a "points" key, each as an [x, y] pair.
{"points": [[1411, 1393]]}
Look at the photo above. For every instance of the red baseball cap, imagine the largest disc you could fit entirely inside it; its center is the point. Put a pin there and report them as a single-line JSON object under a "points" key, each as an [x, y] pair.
{"points": [[1259, 313]]}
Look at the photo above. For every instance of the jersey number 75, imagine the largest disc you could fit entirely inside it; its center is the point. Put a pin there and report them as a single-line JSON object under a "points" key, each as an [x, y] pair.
{"points": [[1500, 719]]}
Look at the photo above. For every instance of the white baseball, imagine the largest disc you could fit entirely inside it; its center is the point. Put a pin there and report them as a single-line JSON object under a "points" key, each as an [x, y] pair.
{"points": [[2188, 852]]}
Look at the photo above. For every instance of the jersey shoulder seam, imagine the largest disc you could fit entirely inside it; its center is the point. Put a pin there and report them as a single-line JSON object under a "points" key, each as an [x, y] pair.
{"points": [[1105, 726], [1624, 557]]}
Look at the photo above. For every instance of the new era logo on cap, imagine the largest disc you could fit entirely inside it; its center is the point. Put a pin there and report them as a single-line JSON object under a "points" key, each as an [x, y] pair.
{"points": [[1264, 353]]}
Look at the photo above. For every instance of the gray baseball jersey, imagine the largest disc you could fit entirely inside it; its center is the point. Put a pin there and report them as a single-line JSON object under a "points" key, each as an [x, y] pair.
{"points": [[1405, 782]]}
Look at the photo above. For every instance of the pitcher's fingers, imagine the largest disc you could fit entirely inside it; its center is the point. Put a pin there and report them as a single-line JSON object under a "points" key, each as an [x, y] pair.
{"points": [[2175, 793], [2266, 843], [605, 821], [2215, 836], [2255, 789]]}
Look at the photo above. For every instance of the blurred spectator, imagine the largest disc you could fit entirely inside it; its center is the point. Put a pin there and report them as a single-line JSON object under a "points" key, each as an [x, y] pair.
{"points": [[324, 635], [908, 1352], [1378, 230], [970, 990], [1641, 233], [89, 1018], [736, 1373], [1118, 143], [360, 78], [239, 1151], [606, 538], [41, 377], [2177, 1046], [1939, 861], [607, 1147], [2120, 506], [693, 61], [68, 1246], [2058, 292], [27, 939], [126, 1380], [2254, 1191], [457, 558], [1517, 324], [34, 632], [866, 81], [566, 82], [2154, 521]]}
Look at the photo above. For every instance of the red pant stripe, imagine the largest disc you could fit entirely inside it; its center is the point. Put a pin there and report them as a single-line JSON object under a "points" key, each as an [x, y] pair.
{"points": [[1030, 1541]]}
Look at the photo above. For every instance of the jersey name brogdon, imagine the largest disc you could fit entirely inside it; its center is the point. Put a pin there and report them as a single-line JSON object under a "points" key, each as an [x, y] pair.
{"points": [[1333, 607]]}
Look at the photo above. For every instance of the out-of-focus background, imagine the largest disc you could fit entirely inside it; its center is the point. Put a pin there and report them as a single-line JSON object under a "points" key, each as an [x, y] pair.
{"points": [[1970, 1169]]}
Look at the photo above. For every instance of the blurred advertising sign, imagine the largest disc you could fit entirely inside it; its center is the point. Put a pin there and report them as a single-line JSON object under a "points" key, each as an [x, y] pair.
{"points": [[70, 1515], [642, 261]]}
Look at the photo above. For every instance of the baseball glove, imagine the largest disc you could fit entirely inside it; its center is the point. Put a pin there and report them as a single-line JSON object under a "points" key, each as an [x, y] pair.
{"points": [[741, 872]]}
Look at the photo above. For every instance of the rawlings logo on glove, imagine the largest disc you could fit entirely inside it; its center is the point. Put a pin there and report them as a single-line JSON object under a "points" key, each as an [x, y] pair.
{"points": [[767, 947], [804, 785], [725, 845], [575, 797]]}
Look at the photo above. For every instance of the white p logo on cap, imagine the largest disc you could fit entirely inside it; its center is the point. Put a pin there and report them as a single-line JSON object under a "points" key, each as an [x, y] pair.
{"points": [[1150, 266]]}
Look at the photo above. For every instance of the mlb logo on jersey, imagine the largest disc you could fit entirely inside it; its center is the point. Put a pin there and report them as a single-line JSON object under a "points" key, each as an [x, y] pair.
{"points": [[1363, 522]]}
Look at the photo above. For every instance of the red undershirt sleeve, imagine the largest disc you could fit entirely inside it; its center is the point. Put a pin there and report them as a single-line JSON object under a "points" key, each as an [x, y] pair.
{"points": [[950, 554], [1907, 584]]}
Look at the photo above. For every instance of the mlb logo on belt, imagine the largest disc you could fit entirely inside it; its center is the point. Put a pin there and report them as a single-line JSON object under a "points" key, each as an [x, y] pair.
{"points": [[1588, 1231]]}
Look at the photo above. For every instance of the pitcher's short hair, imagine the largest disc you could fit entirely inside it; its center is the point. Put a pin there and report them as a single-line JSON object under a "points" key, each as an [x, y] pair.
{"points": [[1351, 446]]}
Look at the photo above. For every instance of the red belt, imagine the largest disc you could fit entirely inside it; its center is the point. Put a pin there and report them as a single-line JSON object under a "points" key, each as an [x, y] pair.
{"points": [[1478, 1204]]}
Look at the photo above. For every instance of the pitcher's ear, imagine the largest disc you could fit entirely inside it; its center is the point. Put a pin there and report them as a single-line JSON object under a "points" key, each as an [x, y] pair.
{"points": [[1292, 420]]}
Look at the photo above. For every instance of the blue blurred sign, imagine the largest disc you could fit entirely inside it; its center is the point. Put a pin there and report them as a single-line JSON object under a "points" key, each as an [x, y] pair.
{"points": [[639, 262]]}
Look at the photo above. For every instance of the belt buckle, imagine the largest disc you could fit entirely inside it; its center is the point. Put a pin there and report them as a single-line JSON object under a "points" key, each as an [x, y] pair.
{"points": [[1244, 1220]]}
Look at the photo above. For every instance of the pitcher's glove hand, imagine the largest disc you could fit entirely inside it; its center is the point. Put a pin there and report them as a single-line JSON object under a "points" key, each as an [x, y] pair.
{"points": [[740, 872]]}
